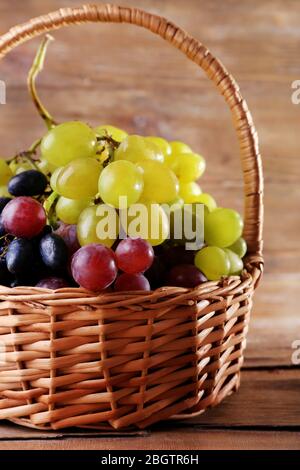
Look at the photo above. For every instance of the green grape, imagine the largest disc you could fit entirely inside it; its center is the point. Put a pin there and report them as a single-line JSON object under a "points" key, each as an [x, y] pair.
{"points": [[189, 192], [79, 179], [69, 141], [188, 166], [121, 179], [98, 224], [136, 148], [5, 173], [207, 200], [163, 144], [239, 247], [54, 177], [148, 221], [213, 262], [160, 183], [117, 134], [236, 264], [46, 167], [69, 210], [20, 165], [4, 192], [179, 147], [223, 227]]}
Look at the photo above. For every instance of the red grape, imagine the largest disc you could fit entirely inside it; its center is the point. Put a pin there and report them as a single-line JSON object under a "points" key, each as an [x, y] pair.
{"points": [[134, 255], [69, 234], [53, 283], [94, 267], [24, 217], [128, 282], [185, 275]]}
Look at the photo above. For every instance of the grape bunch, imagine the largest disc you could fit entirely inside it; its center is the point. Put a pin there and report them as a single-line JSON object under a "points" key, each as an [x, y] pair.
{"points": [[53, 203]]}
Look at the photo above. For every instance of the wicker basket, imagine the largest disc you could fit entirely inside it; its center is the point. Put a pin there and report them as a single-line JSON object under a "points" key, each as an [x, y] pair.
{"points": [[116, 361]]}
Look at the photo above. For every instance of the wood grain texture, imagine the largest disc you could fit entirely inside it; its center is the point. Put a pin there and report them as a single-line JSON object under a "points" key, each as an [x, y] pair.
{"points": [[169, 441]]}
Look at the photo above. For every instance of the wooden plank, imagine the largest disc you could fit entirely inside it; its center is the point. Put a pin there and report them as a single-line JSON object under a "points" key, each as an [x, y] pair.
{"points": [[188, 439]]}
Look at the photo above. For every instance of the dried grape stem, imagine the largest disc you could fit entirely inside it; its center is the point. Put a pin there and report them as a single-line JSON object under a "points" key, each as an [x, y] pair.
{"points": [[36, 68]]}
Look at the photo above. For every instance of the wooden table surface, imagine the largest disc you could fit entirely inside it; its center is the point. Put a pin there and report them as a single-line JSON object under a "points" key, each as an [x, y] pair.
{"points": [[125, 76]]}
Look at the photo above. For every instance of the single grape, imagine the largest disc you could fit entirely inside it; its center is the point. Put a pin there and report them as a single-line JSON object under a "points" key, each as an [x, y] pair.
{"points": [[236, 264], [136, 148], [94, 267], [156, 273], [213, 262], [69, 210], [98, 224], [189, 192], [131, 282], [188, 166], [46, 167], [207, 200], [53, 283], [222, 227], [160, 183], [54, 178], [79, 179], [148, 221], [20, 256], [67, 142], [5, 172], [163, 144], [185, 275], [69, 234], [134, 255], [3, 202], [121, 179], [54, 251], [239, 247], [28, 183], [24, 217], [179, 147], [172, 255], [117, 134]]}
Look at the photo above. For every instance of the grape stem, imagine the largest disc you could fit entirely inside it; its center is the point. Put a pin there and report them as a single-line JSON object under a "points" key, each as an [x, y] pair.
{"points": [[36, 68]]}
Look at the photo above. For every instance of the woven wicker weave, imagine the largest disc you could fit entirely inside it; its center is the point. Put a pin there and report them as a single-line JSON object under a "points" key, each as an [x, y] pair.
{"points": [[70, 358]]}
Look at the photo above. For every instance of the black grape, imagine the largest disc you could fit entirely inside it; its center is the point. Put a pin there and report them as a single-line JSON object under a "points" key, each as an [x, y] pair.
{"points": [[28, 183], [5, 276], [54, 251], [20, 256]]}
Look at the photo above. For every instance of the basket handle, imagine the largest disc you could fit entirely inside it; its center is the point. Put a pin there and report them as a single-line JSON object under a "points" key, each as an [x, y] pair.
{"points": [[198, 53]]}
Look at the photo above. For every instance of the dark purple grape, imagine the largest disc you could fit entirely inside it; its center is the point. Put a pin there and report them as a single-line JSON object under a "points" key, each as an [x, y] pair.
{"points": [[3, 202], [2, 228], [172, 255], [28, 183], [53, 283], [156, 273], [54, 251], [131, 282], [69, 234], [20, 256], [185, 275]]}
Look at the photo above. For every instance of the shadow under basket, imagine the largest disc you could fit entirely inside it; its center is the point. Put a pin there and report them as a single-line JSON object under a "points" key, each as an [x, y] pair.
{"points": [[127, 360]]}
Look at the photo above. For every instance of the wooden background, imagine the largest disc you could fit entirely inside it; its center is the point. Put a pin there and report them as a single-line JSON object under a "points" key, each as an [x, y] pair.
{"points": [[125, 76]]}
